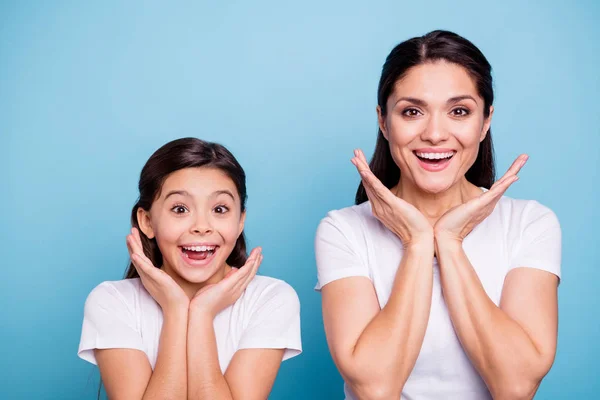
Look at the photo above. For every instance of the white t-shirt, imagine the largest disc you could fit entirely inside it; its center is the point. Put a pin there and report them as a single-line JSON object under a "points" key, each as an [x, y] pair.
{"points": [[518, 233], [122, 314]]}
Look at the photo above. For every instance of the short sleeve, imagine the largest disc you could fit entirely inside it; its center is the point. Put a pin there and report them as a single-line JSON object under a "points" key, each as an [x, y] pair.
{"points": [[540, 242], [108, 322], [335, 251], [274, 321]]}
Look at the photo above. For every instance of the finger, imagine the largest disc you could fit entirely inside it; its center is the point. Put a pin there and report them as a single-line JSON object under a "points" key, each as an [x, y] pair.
{"points": [[136, 245], [251, 273], [370, 181], [138, 239], [515, 168], [141, 267], [233, 278], [498, 191], [133, 242]]}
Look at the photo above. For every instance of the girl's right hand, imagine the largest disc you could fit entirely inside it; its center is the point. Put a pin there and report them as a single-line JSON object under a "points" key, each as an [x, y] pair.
{"points": [[167, 293], [399, 216]]}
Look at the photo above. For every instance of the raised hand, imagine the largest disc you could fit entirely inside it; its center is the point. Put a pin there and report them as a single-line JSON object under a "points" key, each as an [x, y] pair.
{"points": [[213, 298], [167, 293], [399, 216], [459, 221]]}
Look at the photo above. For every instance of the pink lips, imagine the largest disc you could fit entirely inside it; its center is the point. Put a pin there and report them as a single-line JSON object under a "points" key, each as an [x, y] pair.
{"points": [[199, 263], [434, 167]]}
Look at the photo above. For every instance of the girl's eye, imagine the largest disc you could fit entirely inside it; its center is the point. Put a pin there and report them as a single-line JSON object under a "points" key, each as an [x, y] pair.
{"points": [[221, 209], [411, 112], [179, 209], [460, 112]]}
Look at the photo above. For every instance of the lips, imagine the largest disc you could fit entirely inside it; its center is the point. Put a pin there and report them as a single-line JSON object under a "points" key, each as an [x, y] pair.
{"points": [[434, 160], [195, 254]]}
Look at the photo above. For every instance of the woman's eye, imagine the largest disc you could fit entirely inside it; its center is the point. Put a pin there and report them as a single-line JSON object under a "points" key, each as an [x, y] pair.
{"points": [[460, 112], [221, 209], [411, 112], [179, 209]]}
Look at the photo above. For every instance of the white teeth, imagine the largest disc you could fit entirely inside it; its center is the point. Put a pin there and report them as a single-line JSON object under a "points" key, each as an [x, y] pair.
{"points": [[199, 248], [435, 156]]}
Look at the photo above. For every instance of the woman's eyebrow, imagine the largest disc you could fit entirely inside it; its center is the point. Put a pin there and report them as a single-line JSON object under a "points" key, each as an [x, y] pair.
{"points": [[456, 99], [413, 100]]}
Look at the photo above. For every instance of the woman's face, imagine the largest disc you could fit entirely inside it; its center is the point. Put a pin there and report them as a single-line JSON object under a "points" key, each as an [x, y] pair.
{"points": [[434, 125], [196, 221]]}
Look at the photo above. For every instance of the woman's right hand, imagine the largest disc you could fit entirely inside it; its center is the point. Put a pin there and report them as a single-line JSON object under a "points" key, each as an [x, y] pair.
{"points": [[399, 216], [167, 293]]}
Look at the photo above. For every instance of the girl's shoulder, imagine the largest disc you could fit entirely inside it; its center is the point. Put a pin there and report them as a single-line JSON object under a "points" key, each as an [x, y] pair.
{"points": [[112, 295], [267, 289]]}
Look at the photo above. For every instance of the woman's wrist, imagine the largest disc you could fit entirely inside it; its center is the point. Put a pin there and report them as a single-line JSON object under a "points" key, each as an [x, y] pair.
{"points": [[447, 243], [422, 245]]}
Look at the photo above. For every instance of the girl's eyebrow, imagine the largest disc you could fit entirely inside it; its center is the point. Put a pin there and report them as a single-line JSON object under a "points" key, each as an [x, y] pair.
{"points": [[224, 191], [185, 193], [174, 192]]}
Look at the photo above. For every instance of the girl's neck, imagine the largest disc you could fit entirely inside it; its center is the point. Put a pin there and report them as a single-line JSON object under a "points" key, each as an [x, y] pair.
{"points": [[191, 288], [434, 205]]}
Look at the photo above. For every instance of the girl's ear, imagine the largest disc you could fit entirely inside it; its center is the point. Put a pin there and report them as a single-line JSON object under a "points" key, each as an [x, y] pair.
{"points": [[144, 222]]}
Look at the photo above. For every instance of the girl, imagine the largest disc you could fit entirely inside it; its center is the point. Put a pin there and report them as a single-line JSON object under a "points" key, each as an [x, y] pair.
{"points": [[192, 320], [435, 285]]}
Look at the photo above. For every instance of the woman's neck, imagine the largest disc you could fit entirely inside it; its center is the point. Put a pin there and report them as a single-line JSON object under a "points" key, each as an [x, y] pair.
{"points": [[191, 288], [434, 205]]}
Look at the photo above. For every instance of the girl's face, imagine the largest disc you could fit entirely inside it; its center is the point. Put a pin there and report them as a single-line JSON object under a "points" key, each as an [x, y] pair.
{"points": [[434, 125], [196, 221]]}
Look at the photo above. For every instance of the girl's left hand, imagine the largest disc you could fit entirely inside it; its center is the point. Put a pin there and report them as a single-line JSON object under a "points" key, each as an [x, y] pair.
{"points": [[459, 221], [213, 298]]}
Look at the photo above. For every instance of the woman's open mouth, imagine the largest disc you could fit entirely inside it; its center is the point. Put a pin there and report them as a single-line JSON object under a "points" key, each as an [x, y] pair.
{"points": [[434, 161]]}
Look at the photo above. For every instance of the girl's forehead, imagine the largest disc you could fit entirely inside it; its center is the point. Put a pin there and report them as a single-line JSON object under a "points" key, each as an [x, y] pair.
{"points": [[200, 181]]}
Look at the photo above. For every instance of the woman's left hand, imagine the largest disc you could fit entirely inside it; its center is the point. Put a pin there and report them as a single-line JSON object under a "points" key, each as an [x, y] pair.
{"points": [[459, 221]]}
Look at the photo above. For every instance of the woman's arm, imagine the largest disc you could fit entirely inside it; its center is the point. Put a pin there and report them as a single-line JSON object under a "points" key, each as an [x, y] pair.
{"points": [[250, 374], [127, 374], [511, 346], [375, 349]]}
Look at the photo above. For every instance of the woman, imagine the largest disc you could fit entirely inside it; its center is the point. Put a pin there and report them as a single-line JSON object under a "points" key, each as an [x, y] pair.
{"points": [[193, 320], [435, 285]]}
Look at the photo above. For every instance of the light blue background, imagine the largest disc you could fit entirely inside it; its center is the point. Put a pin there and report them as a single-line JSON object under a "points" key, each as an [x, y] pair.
{"points": [[88, 90]]}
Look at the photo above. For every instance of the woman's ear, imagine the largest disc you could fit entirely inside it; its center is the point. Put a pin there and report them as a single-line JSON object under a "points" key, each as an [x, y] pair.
{"points": [[242, 222], [381, 122], [143, 219], [486, 124]]}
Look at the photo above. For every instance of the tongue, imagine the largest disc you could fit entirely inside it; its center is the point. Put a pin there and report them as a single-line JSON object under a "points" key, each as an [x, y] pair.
{"points": [[196, 255]]}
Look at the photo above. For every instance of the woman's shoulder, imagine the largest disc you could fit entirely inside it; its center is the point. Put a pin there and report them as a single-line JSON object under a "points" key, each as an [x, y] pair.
{"points": [[353, 217], [523, 212]]}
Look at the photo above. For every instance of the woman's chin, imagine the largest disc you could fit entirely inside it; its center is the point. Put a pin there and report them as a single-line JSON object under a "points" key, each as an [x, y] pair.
{"points": [[434, 186]]}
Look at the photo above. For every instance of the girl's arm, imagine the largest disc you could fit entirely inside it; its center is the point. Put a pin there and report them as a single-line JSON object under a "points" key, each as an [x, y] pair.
{"points": [[250, 374], [127, 374], [205, 379]]}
